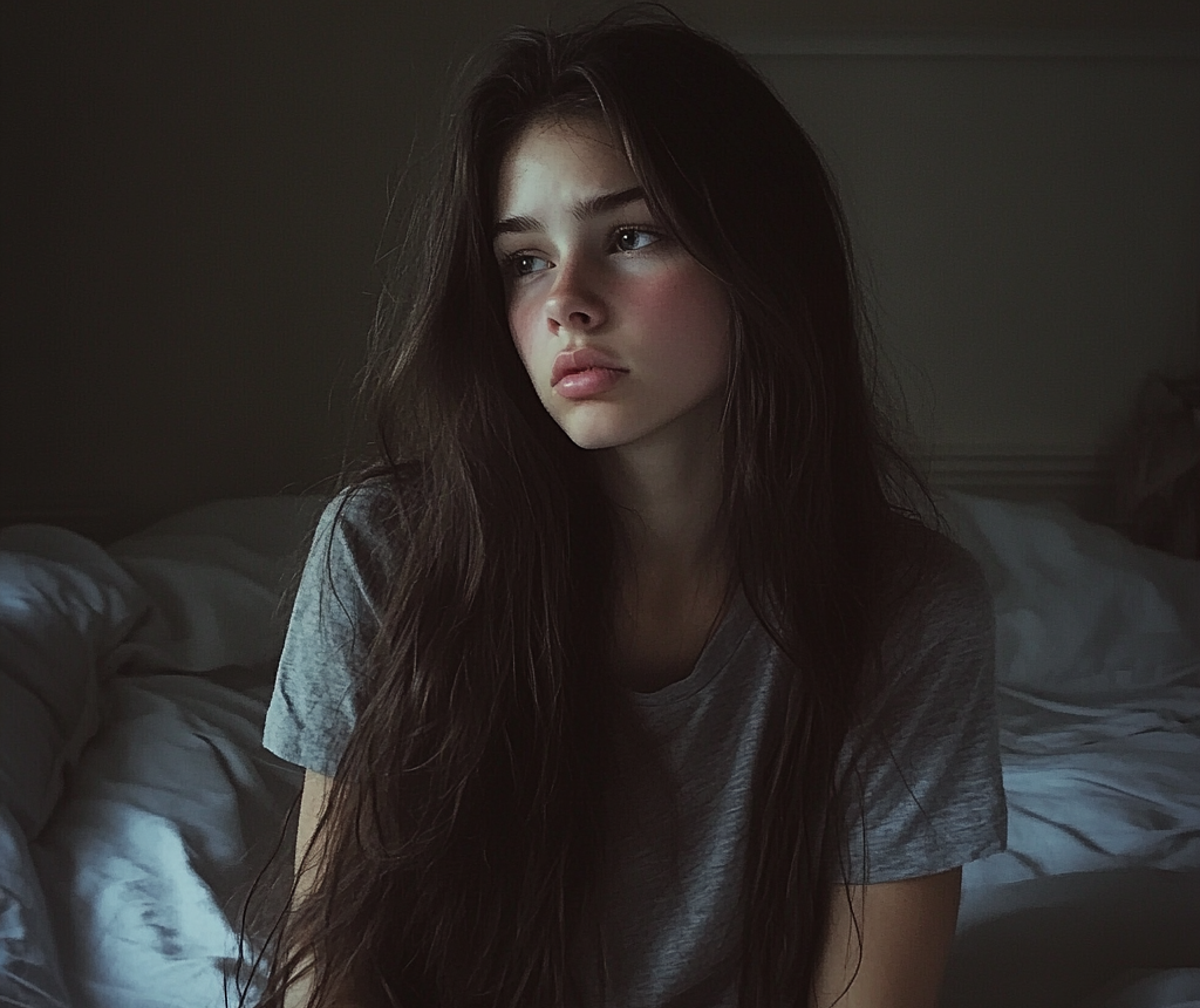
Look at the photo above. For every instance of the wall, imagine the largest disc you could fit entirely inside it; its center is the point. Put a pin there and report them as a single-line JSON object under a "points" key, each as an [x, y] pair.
{"points": [[194, 209], [1027, 211]]}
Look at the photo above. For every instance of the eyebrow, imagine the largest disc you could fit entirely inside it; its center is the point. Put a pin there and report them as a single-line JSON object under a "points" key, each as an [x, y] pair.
{"points": [[593, 206]]}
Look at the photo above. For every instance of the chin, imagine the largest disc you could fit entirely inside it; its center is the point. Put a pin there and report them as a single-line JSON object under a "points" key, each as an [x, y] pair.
{"points": [[590, 432], [593, 438], [594, 443]]}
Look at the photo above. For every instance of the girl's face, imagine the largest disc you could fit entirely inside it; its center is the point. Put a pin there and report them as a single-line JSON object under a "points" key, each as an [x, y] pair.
{"points": [[624, 335]]}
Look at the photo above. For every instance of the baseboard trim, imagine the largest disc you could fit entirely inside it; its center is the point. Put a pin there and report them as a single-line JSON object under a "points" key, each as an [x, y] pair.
{"points": [[1085, 481], [1021, 467]]}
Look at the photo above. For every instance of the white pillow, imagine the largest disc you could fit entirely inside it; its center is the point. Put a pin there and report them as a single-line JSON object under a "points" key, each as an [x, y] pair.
{"points": [[220, 579], [1079, 607], [64, 606], [1098, 689]]}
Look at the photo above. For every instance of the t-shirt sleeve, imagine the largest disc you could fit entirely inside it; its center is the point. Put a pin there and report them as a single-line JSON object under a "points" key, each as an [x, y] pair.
{"points": [[313, 706], [930, 780]]}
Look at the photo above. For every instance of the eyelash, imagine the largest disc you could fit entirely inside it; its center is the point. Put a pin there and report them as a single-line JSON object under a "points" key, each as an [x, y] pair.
{"points": [[509, 263], [640, 229]]}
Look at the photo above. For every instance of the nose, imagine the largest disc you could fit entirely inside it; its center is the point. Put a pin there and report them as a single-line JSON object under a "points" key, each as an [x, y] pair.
{"points": [[575, 303]]}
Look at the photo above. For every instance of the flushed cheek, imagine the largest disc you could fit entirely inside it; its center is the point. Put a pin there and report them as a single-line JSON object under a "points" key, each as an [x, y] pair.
{"points": [[684, 324]]}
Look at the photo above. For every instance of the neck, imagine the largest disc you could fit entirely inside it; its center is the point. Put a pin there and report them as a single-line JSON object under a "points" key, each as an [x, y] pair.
{"points": [[668, 497]]}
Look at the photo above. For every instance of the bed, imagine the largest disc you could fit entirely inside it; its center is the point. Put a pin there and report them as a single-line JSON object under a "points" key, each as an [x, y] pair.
{"points": [[138, 806]]}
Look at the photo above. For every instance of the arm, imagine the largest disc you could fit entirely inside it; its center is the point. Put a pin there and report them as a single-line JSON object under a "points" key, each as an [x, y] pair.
{"points": [[907, 928], [312, 805]]}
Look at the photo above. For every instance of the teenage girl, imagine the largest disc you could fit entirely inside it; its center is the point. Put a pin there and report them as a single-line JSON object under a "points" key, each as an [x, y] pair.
{"points": [[627, 677]]}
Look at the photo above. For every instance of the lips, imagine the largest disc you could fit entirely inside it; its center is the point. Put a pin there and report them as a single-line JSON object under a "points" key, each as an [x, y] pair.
{"points": [[584, 359]]}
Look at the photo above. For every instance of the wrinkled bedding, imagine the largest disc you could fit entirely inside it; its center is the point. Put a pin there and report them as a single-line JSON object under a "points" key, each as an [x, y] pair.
{"points": [[1098, 679], [138, 803], [138, 806], [1098, 687]]}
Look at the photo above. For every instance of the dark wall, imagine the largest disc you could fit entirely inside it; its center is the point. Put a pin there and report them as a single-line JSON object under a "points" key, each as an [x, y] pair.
{"points": [[198, 196], [193, 197]]}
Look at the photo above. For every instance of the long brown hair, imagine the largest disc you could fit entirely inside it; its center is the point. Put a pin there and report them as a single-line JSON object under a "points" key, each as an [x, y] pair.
{"points": [[465, 823]]}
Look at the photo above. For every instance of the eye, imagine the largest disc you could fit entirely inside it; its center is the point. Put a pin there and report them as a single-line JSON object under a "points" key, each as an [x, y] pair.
{"points": [[630, 239], [520, 264]]}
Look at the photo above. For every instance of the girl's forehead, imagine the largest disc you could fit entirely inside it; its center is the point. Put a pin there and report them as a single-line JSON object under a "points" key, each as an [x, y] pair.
{"points": [[550, 155], [585, 130]]}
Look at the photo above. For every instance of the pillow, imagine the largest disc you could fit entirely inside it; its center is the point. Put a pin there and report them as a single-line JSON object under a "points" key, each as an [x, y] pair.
{"points": [[1079, 608], [64, 606], [1098, 693], [220, 579]]}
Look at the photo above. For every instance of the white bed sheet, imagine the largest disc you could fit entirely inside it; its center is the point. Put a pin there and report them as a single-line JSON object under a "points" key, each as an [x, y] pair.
{"points": [[172, 813], [1098, 688], [163, 645], [159, 654], [1098, 682]]}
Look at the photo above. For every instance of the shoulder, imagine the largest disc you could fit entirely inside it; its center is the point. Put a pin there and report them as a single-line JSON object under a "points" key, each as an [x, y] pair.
{"points": [[370, 510], [336, 613], [927, 742], [940, 589], [357, 548], [939, 645], [363, 529]]}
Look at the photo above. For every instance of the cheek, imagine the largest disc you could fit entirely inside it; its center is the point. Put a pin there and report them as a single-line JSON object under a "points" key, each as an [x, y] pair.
{"points": [[520, 326], [688, 318]]}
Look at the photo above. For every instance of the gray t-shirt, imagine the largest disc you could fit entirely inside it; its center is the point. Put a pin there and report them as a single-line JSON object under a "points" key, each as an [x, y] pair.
{"points": [[670, 899]]}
